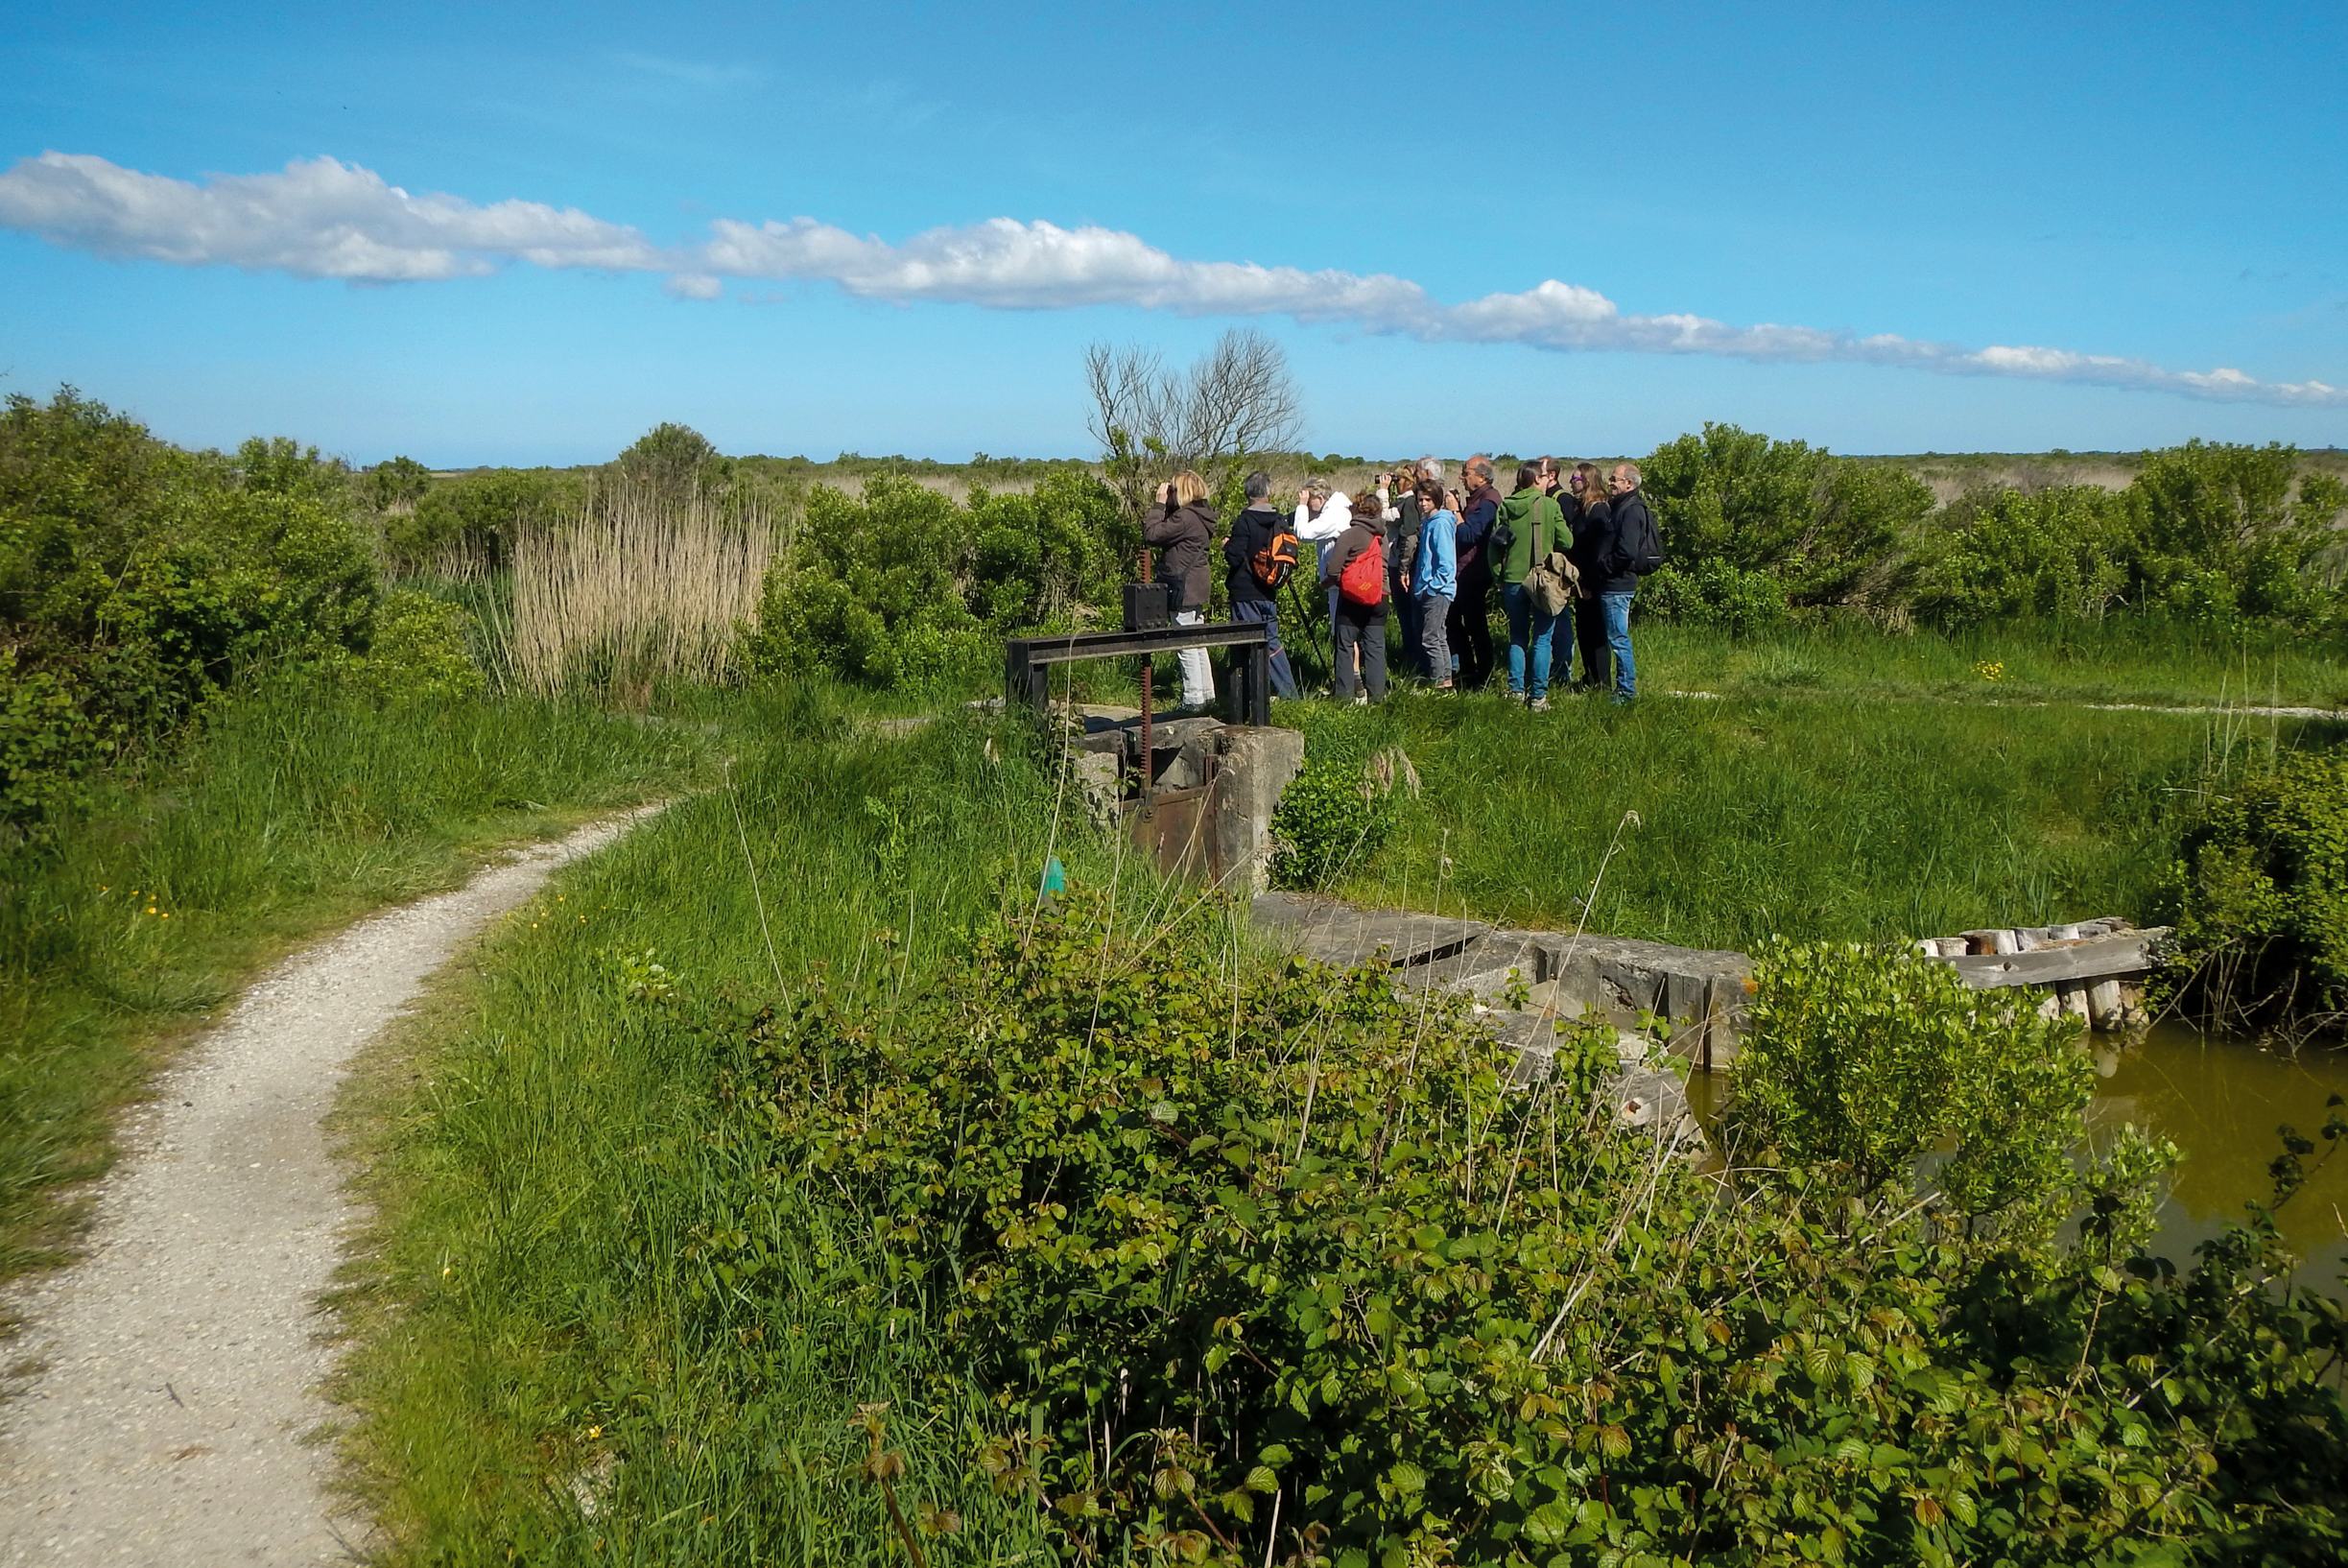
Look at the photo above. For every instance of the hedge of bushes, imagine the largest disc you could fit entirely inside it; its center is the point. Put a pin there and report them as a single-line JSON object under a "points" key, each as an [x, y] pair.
{"points": [[906, 588], [2209, 532], [138, 581]]}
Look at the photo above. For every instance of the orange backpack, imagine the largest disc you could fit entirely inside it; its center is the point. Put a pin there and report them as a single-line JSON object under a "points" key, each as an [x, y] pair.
{"points": [[1276, 561], [1363, 582]]}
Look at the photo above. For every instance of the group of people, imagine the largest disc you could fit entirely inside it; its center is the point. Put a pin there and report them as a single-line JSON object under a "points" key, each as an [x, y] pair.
{"points": [[1430, 556]]}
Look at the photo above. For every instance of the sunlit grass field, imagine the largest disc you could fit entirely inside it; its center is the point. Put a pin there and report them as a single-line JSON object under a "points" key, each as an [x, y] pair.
{"points": [[1736, 820]]}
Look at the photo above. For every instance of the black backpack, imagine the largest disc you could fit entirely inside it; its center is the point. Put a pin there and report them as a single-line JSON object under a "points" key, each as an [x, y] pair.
{"points": [[1638, 548]]}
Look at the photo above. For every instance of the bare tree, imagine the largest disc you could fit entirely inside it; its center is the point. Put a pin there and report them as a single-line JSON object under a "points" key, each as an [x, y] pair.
{"points": [[1236, 401]]}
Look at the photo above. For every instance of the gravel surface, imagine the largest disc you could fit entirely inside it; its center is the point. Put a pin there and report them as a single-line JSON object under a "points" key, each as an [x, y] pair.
{"points": [[162, 1401]]}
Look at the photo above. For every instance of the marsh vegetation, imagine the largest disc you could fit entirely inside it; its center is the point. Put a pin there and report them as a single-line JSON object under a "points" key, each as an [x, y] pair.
{"points": [[799, 1181]]}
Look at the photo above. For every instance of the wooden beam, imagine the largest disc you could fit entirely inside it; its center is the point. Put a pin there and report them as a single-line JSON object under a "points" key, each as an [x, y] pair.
{"points": [[2126, 953]]}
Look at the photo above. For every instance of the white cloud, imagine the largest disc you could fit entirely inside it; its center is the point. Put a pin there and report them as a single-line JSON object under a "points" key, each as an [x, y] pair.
{"points": [[327, 219], [319, 218]]}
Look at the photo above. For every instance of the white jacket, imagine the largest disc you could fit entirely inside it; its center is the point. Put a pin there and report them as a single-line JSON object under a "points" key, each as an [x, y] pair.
{"points": [[1335, 516]]}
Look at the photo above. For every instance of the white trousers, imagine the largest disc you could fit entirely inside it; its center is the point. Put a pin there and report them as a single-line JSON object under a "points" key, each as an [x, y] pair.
{"points": [[1197, 674]]}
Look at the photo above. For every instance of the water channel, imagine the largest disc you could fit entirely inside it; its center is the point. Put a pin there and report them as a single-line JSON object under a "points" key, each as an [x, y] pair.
{"points": [[2221, 1099]]}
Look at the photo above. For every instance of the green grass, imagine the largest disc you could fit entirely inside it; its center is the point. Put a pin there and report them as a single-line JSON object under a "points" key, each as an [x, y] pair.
{"points": [[297, 811], [1804, 817], [560, 1170], [2113, 661], [548, 1159]]}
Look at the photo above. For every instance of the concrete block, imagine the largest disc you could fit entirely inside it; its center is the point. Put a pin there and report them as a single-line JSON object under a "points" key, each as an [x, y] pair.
{"points": [[1252, 767], [1098, 777], [1339, 933]]}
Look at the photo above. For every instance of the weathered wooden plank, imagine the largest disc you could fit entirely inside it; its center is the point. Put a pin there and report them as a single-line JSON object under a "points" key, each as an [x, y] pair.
{"points": [[2130, 953]]}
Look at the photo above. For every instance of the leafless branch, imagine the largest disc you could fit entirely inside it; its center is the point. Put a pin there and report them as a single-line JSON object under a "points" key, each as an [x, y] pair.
{"points": [[1152, 422]]}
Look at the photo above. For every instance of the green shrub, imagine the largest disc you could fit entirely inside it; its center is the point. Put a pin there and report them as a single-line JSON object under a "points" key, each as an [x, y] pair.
{"points": [[2207, 533], [1863, 1060], [420, 651], [137, 581], [1830, 531], [2259, 899], [2050, 556], [1340, 806], [394, 484], [475, 515], [905, 589], [1712, 592], [1221, 1245]]}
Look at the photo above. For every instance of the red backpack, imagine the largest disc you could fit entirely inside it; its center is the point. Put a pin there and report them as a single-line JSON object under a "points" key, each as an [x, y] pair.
{"points": [[1363, 582]]}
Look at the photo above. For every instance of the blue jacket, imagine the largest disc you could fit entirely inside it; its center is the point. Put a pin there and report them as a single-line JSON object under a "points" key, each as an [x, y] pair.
{"points": [[1437, 571]]}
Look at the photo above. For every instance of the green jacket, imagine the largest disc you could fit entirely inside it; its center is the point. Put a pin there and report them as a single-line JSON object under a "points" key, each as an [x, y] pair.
{"points": [[1533, 519]]}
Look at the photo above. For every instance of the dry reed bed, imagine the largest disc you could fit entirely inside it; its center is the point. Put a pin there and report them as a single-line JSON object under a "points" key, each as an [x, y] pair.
{"points": [[641, 586]]}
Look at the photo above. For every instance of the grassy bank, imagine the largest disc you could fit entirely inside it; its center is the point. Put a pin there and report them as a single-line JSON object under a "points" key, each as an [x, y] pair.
{"points": [[624, 1301], [297, 810], [1738, 820], [568, 1193]]}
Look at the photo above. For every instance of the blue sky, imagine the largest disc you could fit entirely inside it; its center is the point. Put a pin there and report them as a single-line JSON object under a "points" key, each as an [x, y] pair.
{"points": [[543, 231]]}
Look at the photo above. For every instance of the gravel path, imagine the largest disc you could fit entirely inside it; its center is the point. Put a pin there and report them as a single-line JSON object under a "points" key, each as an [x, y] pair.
{"points": [[163, 1402]]}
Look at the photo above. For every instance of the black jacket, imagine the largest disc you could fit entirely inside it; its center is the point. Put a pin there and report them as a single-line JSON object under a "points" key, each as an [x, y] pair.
{"points": [[1601, 575], [1402, 537], [1481, 506], [1589, 519], [1250, 531], [1183, 535]]}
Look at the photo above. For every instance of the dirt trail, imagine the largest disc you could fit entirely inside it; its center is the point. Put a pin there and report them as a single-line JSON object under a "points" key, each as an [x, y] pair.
{"points": [[163, 1403]]}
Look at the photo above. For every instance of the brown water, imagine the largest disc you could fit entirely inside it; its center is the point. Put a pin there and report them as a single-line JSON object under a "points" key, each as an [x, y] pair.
{"points": [[2221, 1099]]}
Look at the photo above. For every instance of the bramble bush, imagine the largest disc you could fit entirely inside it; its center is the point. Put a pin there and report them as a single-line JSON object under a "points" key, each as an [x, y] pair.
{"points": [[1342, 805], [418, 651], [1225, 1245]]}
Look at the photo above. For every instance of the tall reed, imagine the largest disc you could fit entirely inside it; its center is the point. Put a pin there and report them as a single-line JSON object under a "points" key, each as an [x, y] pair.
{"points": [[645, 585]]}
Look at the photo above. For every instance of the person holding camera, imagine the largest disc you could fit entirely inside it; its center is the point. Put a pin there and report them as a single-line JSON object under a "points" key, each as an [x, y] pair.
{"points": [[1181, 524], [1396, 488]]}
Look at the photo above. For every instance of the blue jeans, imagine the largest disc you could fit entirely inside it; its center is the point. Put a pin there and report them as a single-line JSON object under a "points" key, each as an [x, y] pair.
{"points": [[1283, 680], [1528, 627], [1616, 607]]}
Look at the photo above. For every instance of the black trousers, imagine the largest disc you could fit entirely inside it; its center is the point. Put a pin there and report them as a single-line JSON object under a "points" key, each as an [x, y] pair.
{"points": [[1590, 633], [1367, 632], [1471, 626]]}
